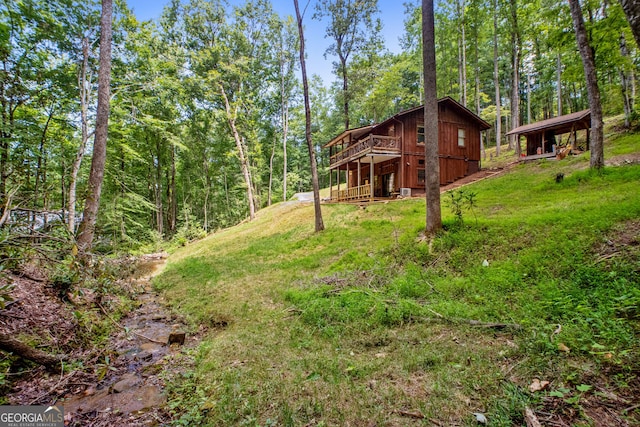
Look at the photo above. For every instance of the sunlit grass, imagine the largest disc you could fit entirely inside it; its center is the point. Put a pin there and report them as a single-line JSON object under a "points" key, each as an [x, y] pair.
{"points": [[369, 323]]}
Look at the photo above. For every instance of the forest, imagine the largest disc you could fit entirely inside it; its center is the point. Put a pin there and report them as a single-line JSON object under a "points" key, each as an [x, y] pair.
{"points": [[206, 102]]}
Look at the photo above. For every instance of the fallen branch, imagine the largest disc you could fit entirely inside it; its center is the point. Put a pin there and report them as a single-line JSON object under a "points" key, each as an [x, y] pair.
{"points": [[492, 325], [55, 386], [19, 348], [530, 418], [416, 415], [126, 329]]}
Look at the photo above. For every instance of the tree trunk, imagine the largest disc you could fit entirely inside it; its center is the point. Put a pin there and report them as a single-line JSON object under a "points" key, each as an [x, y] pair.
{"points": [[496, 76], [588, 62], [96, 176], [18, 348], [319, 224], [345, 91], [462, 54], [432, 162], [84, 126], [244, 164], [273, 154], [624, 83], [173, 197], [559, 83], [285, 131], [515, 76], [157, 189], [632, 10]]}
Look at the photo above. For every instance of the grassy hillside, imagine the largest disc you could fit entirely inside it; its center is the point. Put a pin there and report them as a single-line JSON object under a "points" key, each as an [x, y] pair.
{"points": [[369, 323]]}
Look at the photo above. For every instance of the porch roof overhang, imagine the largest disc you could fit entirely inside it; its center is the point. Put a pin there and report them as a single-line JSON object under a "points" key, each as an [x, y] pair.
{"points": [[366, 158], [559, 125]]}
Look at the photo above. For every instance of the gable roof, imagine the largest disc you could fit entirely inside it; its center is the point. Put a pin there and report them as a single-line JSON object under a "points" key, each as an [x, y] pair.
{"points": [[452, 103], [560, 124], [447, 100]]}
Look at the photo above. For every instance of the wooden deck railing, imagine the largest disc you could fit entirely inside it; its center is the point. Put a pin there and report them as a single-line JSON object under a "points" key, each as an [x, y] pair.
{"points": [[353, 193], [372, 143]]}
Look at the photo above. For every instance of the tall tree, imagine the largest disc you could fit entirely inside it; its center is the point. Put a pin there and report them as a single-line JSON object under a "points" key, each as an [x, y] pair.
{"points": [[589, 65], [319, 224], [496, 76], [432, 162], [351, 27], [632, 11], [516, 47], [96, 177]]}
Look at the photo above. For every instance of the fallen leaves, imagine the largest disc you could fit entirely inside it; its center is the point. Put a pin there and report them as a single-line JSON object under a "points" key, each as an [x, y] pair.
{"points": [[537, 385]]}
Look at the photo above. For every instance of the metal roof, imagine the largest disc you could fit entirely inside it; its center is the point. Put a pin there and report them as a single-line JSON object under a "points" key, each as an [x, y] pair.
{"points": [[560, 124]]}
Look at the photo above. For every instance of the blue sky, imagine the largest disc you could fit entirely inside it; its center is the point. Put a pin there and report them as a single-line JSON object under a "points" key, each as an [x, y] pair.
{"points": [[392, 16]]}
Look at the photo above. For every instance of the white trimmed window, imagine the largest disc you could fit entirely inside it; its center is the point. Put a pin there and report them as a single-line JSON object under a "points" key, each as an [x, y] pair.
{"points": [[420, 134], [461, 137]]}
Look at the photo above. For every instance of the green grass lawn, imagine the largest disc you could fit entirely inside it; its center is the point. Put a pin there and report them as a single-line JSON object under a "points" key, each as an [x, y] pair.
{"points": [[370, 323]]}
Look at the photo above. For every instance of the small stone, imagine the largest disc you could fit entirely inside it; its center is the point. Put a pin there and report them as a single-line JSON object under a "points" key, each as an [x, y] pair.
{"points": [[176, 337], [126, 382], [144, 356]]}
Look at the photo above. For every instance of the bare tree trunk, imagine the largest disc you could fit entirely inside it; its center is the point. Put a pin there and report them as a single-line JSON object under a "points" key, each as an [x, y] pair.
{"points": [[432, 161], [157, 190], [528, 98], [515, 76], [244, 164], [285, 131], [273, 154], [462, 54], [496, 75], [173, 196], [98, 160], [345, 91], [559, 83], [84, 125], [632, 10], [624, 80], [588, 62], [319, 224]]}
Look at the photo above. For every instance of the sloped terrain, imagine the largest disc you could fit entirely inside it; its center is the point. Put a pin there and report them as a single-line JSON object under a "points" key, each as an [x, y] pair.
{"points": [[371, 323]]}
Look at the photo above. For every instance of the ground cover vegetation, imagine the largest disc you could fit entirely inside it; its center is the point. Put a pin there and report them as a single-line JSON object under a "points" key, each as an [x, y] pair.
{"points": [[370, 322]]}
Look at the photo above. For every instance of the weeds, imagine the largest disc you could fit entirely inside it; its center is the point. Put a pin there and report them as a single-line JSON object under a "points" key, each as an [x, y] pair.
{"points": [[458, 202]]}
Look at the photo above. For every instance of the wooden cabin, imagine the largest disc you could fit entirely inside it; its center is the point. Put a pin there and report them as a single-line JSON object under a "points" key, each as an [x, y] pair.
{"points": [[388, 159], [544, 137]]}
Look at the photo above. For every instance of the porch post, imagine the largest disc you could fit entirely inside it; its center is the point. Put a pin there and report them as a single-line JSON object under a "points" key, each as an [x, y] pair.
{"points": [[338, 182], [359, 181], [347, 177], [371, 178], [330, 184]]}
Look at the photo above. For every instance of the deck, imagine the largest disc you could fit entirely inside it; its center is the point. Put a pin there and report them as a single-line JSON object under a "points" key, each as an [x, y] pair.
{"points": [[373, 144]]}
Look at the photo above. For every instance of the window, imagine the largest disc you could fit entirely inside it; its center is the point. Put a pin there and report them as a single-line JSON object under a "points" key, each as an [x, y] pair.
{"points": [[421, 179], [420, 134], [461, 136], [421, 162]]}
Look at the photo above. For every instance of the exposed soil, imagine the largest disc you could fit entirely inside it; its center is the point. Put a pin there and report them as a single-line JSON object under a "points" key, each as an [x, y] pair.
{"points": [[120, 383]]}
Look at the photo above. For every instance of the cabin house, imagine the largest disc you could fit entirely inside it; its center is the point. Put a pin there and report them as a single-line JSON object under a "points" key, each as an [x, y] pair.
{"points": [[388, 159], [544, 137]]}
